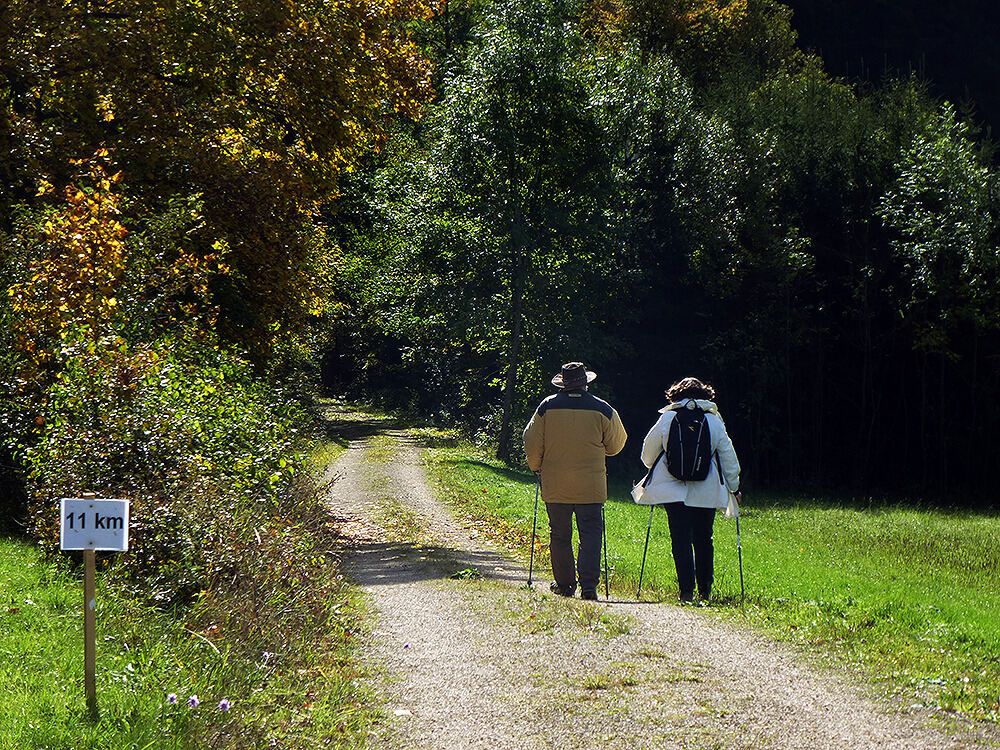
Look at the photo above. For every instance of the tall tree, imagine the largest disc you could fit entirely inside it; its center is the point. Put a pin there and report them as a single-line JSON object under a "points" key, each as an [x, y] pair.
{"points": [[249, 111], [518, 155]]}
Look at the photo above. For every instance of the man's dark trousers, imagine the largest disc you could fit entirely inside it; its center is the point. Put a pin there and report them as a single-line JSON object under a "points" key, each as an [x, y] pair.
{"points": [[590, 529], [691, 532]]}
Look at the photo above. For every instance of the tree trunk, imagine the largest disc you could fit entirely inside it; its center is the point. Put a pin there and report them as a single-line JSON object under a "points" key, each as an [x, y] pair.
{"points": [[792, 441], [942, 412], [924, 445], [862, 444]]}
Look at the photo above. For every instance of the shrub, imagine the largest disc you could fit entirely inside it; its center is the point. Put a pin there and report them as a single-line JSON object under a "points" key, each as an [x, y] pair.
{"points": [[183, 429]]}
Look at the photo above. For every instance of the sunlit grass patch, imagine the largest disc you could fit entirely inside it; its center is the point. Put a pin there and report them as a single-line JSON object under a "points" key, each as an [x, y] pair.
{"points": [[665, 668], [598, 619], [381, 449], [546, 613], [158, 680], [399, 522], [908, 594], [679, 675], [596, 681], [534, 614], [435, 437], [618, 675], [322, 455], [652, 654]]}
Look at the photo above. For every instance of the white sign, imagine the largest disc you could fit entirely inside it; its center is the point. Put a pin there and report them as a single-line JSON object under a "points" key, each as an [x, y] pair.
{"points": [[93, 524]]}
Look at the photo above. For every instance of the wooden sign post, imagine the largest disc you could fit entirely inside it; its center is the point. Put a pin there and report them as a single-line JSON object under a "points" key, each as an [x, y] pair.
{"points": [[90, 630], [90, 524]]}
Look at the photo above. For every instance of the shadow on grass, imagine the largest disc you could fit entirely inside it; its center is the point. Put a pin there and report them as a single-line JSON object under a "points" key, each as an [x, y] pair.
{"points": [[511, 475], [343, 430], [16, 535]]}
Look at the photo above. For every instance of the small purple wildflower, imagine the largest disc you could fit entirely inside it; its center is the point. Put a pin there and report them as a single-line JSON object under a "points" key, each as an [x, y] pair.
{"points": [[172, 699], [224, 704], [193, 701]]}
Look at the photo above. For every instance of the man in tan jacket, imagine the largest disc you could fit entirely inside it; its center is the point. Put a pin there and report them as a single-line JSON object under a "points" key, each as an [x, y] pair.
{"points": [[566, 442]]}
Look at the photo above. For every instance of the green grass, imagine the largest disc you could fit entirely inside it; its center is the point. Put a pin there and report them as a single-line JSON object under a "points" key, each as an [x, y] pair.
{"points": [[908, 595], [381, 448], [140, 659], [299, 697]]}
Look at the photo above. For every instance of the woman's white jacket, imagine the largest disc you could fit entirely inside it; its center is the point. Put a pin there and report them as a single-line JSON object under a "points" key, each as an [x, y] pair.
{"points": [[711, 492]]}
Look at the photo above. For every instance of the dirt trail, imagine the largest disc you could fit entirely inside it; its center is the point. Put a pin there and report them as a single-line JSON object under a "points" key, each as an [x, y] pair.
{"points": [[481, 662]]}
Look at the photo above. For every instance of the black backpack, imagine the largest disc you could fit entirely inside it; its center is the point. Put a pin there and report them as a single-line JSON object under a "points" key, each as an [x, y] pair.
{"points": [[689, 445]]}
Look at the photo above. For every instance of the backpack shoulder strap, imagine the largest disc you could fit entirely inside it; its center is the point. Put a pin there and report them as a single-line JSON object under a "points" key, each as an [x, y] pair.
{"points": [[649, 474]]}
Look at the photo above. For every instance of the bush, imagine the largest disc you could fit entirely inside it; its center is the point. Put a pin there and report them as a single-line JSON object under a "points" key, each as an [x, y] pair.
{"points": [[183, 429]]}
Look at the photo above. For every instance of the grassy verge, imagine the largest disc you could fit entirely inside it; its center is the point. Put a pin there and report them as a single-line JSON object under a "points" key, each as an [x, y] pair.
{"points": [[908, 595], [268, 658]]}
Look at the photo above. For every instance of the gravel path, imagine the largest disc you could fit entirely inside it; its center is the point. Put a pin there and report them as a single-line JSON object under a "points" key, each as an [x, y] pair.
{"points": [[478, 661]]}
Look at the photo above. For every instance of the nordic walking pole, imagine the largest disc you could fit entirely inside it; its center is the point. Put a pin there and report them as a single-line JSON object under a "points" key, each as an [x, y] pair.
{"points": [[534, 521], [604, 536], [739, 553], [643, 568]]}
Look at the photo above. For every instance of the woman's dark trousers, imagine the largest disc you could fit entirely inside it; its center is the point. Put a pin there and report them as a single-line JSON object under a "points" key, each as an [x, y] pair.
{"points": [[590, 528], [691, 543]]}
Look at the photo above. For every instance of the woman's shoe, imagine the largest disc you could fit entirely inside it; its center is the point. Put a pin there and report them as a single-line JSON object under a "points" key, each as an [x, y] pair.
{"points": [[555, 588]]}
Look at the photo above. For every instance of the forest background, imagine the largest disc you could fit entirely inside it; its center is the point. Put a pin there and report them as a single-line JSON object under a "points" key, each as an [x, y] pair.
{"points": [[208, 207]]}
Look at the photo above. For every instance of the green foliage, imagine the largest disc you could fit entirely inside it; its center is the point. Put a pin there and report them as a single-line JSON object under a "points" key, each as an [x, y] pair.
{"points": [[519, 154], [942, 215], [276, 643], [181, 429], [676, 171], [669, 187], [166, 269], [947, 42], [163, 171], [253, 109], [490, 256], [715, 42]]}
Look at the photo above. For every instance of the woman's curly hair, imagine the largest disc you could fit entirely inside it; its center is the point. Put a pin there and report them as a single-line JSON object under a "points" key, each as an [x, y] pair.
{"points": [[690, 388]]}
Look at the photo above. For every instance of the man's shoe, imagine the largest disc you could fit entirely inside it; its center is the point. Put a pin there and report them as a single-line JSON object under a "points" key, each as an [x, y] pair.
{"points": [[589, 595], [687, 597], [555, 588]]}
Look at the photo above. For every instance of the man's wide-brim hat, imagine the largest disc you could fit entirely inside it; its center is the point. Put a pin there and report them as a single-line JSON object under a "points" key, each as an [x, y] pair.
{"points": [[573, 375]]}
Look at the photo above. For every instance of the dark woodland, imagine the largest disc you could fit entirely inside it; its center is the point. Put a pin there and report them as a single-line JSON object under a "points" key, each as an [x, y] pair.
{"points": [[211, 210]]}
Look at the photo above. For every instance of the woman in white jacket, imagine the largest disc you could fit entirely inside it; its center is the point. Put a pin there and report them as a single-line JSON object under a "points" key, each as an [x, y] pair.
{"points": [[691, 505]]}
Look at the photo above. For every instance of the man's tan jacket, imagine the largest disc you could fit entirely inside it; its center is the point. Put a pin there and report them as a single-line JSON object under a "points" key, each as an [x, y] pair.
{"points": [[567, 440]]}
